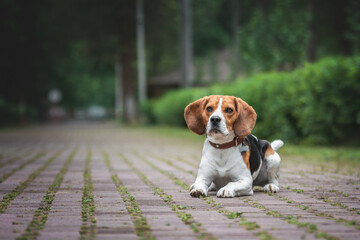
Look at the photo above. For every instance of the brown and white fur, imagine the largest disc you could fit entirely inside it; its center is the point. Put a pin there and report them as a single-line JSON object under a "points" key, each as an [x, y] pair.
{"points": [[230, 171]]}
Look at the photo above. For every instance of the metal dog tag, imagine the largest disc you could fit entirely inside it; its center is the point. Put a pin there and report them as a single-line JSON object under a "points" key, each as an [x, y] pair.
{"points": [[243, 148]]}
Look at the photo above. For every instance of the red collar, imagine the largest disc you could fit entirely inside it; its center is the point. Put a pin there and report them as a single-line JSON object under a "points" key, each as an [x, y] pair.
{"points": [[235, 142]]}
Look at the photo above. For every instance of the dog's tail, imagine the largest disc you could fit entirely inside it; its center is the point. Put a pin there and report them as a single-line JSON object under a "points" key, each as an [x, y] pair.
{"points": [[277, 144]]}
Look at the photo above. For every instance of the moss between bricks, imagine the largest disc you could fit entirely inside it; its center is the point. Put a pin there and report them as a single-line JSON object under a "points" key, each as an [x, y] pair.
{"points": [[31, 160], [311, 228], [324, 198], [88, 227], [187, 218], [170, 175], [174, 166], [187, 162], [41, 214], [209, 200], [14, 159], [23, 185], [142, 229], [332, 203], [348, 223]]}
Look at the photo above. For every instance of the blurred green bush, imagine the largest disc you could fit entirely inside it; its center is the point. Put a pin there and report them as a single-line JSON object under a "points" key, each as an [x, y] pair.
{"points": [[319, 103]]}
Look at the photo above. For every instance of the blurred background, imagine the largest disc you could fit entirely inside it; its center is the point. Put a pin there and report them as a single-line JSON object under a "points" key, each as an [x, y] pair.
{"points": [[295, 61]]}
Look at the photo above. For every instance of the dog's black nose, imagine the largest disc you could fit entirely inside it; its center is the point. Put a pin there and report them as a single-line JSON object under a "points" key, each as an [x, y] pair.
{"points": [[215, 119]]}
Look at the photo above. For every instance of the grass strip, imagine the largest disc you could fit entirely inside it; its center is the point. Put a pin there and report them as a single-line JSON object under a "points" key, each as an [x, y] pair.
{"points": [[14, 159], [168, 174], [181, 159], [187, 218], [248, 225], [170, 163], [142, 228], [31, 160], [325, 199], [311, 228], [88, 227], [348, 223], [41, 214], [23, 185]]}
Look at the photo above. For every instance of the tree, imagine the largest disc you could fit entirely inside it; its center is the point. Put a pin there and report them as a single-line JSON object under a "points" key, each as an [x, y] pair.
{"points": [[141, 59], [186, 43], [235, 68], [312, 43]]}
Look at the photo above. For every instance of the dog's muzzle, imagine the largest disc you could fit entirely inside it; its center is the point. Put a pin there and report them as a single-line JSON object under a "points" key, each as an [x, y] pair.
{"points": [[215, 125]]}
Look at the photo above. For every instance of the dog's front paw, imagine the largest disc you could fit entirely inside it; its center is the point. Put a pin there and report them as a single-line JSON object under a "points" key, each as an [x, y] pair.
{"points": [[271, 188], [226, 192], [197, 191]]}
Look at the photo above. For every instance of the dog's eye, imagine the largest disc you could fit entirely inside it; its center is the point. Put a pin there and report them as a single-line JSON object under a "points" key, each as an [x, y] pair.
{"points": [[209, 109], [228, 110]]}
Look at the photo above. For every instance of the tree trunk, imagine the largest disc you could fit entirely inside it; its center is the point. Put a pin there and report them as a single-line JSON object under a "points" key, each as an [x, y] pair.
{"points": [[312, 43], [341, 27], [128, 76], [127, 39], [186, 51], [235, 54], [119, 99], [140, 36]]}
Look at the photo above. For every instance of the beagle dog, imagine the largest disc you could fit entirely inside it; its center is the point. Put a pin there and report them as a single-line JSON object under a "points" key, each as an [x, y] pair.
{"points": [[233, 160]]}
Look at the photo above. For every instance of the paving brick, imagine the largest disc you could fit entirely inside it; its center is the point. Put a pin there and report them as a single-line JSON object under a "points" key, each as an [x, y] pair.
{"points": [[112, 218], [171, 155], [64, 218], [23, 207]]}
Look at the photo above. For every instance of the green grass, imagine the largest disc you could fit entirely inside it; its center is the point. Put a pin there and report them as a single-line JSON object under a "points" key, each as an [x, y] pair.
{"points": [[248, 225], [172, 176], [31, 160], [88, 227], [328, 158], [177, 133], [13, 159], [348, 223], [5, 202], [233, 215], [187, 218], [324, 153], [41, 214], [142, 228], [311, 228]]}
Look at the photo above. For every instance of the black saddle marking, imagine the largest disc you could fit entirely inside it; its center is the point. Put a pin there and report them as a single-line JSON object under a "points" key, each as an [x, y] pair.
{"points": [[257, 151]]}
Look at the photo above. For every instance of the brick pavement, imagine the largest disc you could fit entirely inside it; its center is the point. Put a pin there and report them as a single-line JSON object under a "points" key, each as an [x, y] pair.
{"points": [[124, 183]]}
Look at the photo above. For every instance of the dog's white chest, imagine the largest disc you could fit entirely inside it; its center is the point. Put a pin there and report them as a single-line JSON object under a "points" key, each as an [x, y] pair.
{"points": [[222, 172], [229, 171], [226, 164]]}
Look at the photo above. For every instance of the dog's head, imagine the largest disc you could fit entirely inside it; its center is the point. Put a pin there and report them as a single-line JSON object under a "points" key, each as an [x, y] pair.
{"points": [[219, 116]]}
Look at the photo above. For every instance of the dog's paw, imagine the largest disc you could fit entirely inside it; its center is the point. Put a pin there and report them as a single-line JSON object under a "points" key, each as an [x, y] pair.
{"points": [[197, 191], [226, 192], [271, 188]]}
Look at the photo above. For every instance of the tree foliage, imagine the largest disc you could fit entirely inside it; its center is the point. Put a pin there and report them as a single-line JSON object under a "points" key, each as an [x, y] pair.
{"points": [[275, 38], [72, 45]]}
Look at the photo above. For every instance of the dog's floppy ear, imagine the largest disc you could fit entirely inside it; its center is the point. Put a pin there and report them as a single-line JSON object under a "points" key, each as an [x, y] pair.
{"points": [[193, 116], [246, 119]]}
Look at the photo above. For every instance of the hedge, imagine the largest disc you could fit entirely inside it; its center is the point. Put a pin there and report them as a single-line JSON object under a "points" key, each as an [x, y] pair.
{"points": [[319, 103]]}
